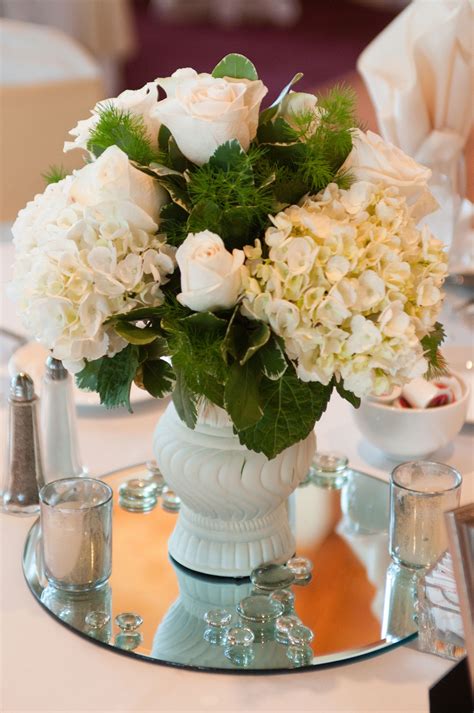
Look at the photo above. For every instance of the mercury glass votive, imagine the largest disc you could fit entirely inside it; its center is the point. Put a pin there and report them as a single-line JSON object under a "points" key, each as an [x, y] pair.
{"points": [[420, 493], [138, 495], [76, 525], [269, 577], [286, 599], [302, 568]]}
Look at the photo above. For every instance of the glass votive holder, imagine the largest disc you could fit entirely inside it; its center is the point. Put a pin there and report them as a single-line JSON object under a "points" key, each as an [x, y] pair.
{"points": [[329, 470], [76, 526], [420, 493]]}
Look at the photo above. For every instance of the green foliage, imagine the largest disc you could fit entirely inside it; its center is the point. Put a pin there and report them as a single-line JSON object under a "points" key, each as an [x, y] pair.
{"points": [[185, 401], [54, 174], [125, 130], [111, 377], [437, 365], [290, 409], [158, 377], [347, 395], [136, 335], [271, 112], [236, 66], [241, 396]]}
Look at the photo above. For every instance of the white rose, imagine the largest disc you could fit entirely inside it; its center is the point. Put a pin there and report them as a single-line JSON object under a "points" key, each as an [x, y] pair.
{"points": [[203, 112], [139, 102], [211, 276], [376, 161], [300, 104], [112, 177]]}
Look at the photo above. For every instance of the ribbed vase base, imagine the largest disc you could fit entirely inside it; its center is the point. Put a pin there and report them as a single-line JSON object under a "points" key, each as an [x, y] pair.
{"points": [[231, 548]]}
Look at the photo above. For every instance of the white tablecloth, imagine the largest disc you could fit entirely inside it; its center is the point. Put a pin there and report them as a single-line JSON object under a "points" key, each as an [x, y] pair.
{"points": [[45, 667]]}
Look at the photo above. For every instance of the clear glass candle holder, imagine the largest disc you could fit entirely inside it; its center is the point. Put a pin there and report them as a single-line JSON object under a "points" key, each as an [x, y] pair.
{"points": [[420, 493], [76, 525]]}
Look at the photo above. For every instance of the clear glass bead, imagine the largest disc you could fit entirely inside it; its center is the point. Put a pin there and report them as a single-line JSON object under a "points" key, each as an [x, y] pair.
{"points": [[300, 655], [66, 614], [239, 636], [300, 634], [258, 609], [128, 640], [302, 568], [217, 617], [329, 470], [97, 619], [272, 576], [286, 599], [169, 500], [216, 635], [240, 655], [128, 621], [283, 625], [138, 495]]}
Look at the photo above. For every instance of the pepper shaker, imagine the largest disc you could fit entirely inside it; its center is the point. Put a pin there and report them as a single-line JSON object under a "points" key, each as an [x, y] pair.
{"points": [[58, 424], [24, 475]]}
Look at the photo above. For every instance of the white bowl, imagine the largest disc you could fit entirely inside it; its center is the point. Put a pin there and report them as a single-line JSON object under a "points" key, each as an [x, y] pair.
{"points": [[412, 433]]}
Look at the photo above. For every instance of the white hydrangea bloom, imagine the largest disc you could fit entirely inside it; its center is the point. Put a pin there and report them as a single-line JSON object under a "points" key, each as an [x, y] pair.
{"points": [[81, 259], [350, 284]]}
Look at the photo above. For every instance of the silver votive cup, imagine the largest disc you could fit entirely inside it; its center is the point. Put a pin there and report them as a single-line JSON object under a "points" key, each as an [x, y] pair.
{"points": [[420, 493], [76, 525]]}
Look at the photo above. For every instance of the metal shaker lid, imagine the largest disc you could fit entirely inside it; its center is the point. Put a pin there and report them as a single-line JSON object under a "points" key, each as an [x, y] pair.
{"points": [[55, 369], [22, 387]]}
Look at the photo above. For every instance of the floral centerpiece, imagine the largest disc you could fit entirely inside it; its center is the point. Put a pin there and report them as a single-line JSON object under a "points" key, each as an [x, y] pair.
{"points": [[254, 260]]}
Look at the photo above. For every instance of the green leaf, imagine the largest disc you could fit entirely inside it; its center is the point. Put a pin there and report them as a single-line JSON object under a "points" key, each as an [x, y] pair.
{"points": [[241, 395], [164, 135], [136, 335], [158, 377], [437, 365], [157, 170], [176, 186], [176, 158], [236, 66], [272, 359], [204, 216], [276, 132], [205, 321], [228, 156], [173, 220], [87, 378], [290, 409], [345, 394], [286, 89], [236, 227], [258, 335], [115, 377], [185, 401]]}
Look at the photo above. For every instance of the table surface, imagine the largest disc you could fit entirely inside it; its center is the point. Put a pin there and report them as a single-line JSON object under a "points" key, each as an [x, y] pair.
{"points": [[46, 667]]}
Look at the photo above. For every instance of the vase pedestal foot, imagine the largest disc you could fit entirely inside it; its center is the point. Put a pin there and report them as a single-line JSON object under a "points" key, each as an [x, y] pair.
{"points": [[231, 548]]}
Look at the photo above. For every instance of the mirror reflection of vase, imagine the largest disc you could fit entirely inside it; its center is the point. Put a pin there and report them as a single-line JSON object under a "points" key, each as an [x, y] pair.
{"points": [[180, 636], [89, 612]]}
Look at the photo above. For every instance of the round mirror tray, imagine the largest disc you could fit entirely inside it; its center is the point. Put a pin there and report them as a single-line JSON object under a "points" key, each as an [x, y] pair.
{"points": [[356, 602]]}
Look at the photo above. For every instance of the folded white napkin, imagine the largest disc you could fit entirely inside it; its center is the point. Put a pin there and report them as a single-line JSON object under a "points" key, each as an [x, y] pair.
{"points": [[419, 73]]}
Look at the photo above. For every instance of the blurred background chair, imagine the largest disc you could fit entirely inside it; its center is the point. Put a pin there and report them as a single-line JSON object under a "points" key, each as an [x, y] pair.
{"points": [[47, 82], [104, 27]]}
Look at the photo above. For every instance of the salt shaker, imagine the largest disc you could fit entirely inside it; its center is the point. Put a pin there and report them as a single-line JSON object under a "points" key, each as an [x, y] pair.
{"points": [[24, 475], [58, 424]]}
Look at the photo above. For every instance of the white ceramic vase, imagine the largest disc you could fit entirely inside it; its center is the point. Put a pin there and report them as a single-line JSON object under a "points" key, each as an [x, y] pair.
{"points": [[234, 512]]}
